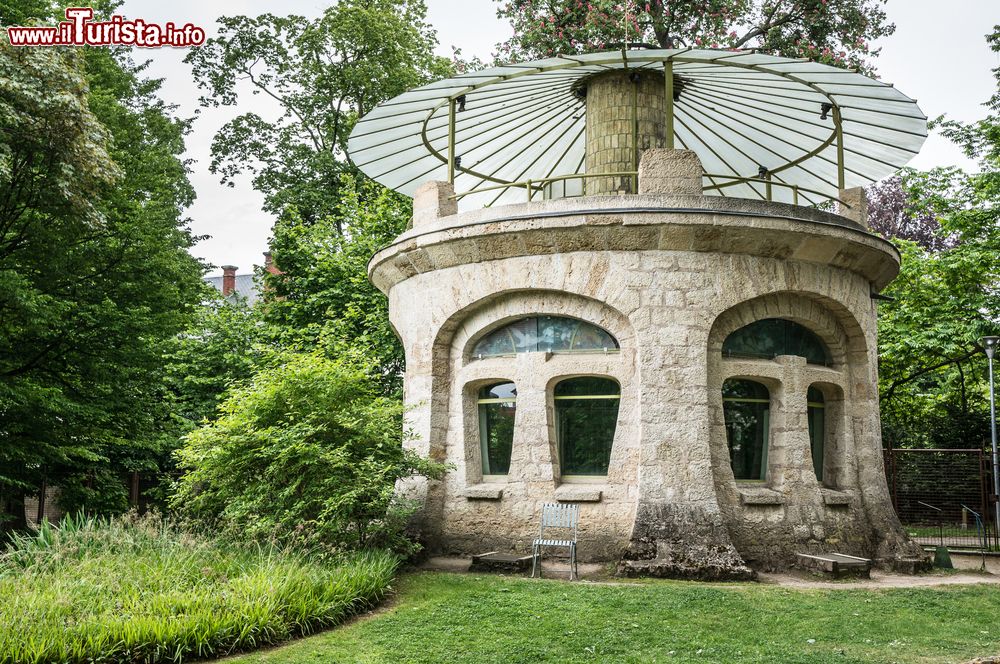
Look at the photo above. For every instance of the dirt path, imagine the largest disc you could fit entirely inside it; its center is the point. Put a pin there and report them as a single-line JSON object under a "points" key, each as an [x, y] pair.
{"points": [[967, 571], [881, 580]]}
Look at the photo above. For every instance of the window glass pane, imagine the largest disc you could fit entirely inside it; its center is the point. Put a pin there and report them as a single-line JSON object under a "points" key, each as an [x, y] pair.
{"points": [[525, 334], [496, 343], [591, 337], [746, 405], [586, 418], [587, 386], [556, 334], [497, 408], [816, 415], [545, 334], [501, 391], [771, 337]]}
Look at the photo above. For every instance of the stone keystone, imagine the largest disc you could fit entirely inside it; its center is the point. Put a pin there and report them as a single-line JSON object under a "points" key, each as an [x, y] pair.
{"points": [[664, 171]]}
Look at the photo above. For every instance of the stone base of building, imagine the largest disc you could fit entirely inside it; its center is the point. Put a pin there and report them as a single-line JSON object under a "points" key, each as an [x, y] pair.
{"points": [[671, 542], [700, 570]]}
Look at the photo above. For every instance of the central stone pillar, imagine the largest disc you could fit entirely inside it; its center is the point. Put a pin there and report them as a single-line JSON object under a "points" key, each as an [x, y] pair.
{"points": [[625, 117]]}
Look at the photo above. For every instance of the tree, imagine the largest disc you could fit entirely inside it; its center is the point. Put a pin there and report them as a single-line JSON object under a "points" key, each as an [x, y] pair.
{"points": [[895, 211], [96, 272], [223, 346], [322, 295], [305, 452], [837, 32], [932, 366], [322, 74], [25, 12]]}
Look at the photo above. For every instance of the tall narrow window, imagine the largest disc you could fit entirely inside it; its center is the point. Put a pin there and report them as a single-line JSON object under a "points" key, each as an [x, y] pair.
{"points": [[586, 417], [747, 406], [817, 428], [497, 407]]}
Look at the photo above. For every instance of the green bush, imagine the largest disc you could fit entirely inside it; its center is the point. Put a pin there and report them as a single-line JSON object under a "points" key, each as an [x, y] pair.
{"points": [[306, 453], [140, 590]]}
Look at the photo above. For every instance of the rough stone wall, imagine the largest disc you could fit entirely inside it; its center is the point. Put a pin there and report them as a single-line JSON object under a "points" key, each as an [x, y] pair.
{"points": [[791, 511], [610, 144], [670, 277], [670, 460]]}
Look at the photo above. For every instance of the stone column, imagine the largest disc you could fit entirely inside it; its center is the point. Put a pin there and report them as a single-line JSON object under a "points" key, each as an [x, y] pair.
{"points": [[610, 144]]}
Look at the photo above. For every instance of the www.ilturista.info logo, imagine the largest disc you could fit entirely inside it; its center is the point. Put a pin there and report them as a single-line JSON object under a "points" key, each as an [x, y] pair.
{"points": [[79, 30]]}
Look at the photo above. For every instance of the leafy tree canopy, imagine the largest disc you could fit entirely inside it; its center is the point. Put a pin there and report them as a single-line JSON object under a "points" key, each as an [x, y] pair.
{"points": [[96, 273], [838, 32], [322, 74], [323, 295], [946, 224]]}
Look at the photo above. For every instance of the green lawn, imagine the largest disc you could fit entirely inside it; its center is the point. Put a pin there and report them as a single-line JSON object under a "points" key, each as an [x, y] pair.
{"points": [[439, 617]]}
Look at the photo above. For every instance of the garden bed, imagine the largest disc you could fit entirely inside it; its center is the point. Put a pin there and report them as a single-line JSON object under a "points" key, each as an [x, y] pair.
{"points": [[139, 590]]}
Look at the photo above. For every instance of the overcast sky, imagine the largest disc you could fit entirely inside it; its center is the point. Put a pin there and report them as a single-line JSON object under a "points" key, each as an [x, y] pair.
{"points": [[937, 56]]}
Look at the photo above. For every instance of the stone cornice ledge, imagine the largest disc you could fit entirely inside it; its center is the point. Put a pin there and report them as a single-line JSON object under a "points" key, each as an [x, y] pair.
{"points": [[578, 493], [483, 491], [636, 223], [760, 495], [835, 498]]}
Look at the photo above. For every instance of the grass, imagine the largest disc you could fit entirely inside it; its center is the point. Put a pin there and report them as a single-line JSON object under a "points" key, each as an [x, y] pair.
{"points": [[444, 618], [140, 590]]}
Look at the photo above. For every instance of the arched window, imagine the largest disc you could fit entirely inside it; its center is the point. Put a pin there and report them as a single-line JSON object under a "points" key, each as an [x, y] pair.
{"points": [[747, 405], [497, 407], [586, 417], [771, 337], [547, 334], [816, 412]]}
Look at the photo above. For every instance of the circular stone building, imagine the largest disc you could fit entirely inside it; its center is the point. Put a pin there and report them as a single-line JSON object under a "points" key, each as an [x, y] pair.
{"points": [[626, 287]]}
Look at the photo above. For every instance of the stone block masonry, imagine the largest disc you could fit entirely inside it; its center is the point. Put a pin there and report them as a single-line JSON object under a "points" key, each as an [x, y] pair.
{"points": [[670, 283], [611, 146]]}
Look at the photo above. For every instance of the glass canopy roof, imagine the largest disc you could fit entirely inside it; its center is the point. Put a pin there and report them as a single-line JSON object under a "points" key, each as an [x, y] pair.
{"points": [[739, 111]]}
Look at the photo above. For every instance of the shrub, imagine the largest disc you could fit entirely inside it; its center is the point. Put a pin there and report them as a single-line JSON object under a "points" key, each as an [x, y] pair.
{"points": [[141, 590], [305, 453]]}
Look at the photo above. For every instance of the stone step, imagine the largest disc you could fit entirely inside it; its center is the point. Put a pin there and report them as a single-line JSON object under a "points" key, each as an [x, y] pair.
{"points": [[494, 561], [836, 564]]}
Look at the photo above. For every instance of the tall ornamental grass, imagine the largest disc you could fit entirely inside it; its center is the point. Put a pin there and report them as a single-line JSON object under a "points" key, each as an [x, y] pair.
{"points": [[138, 589]]}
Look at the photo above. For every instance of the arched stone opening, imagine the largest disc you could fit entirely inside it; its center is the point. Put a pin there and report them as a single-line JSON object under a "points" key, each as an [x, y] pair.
{"points": [[792, 507]]}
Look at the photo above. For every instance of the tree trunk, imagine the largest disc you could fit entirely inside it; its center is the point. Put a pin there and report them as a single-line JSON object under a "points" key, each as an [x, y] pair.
{"points": [[12, 516]]}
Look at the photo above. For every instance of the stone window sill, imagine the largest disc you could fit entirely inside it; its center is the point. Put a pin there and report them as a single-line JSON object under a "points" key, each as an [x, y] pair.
{"points": [[483, 492], [578, 493], [834, 498], [752, 495]]}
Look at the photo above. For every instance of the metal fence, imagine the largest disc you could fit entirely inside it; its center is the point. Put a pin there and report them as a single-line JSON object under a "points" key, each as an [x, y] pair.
{"points": [[942, 496]]}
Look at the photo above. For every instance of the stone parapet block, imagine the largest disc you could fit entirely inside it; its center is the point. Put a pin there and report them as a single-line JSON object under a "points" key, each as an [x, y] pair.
{"points": [[664, 171], [857, 205], [433, 200]]}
